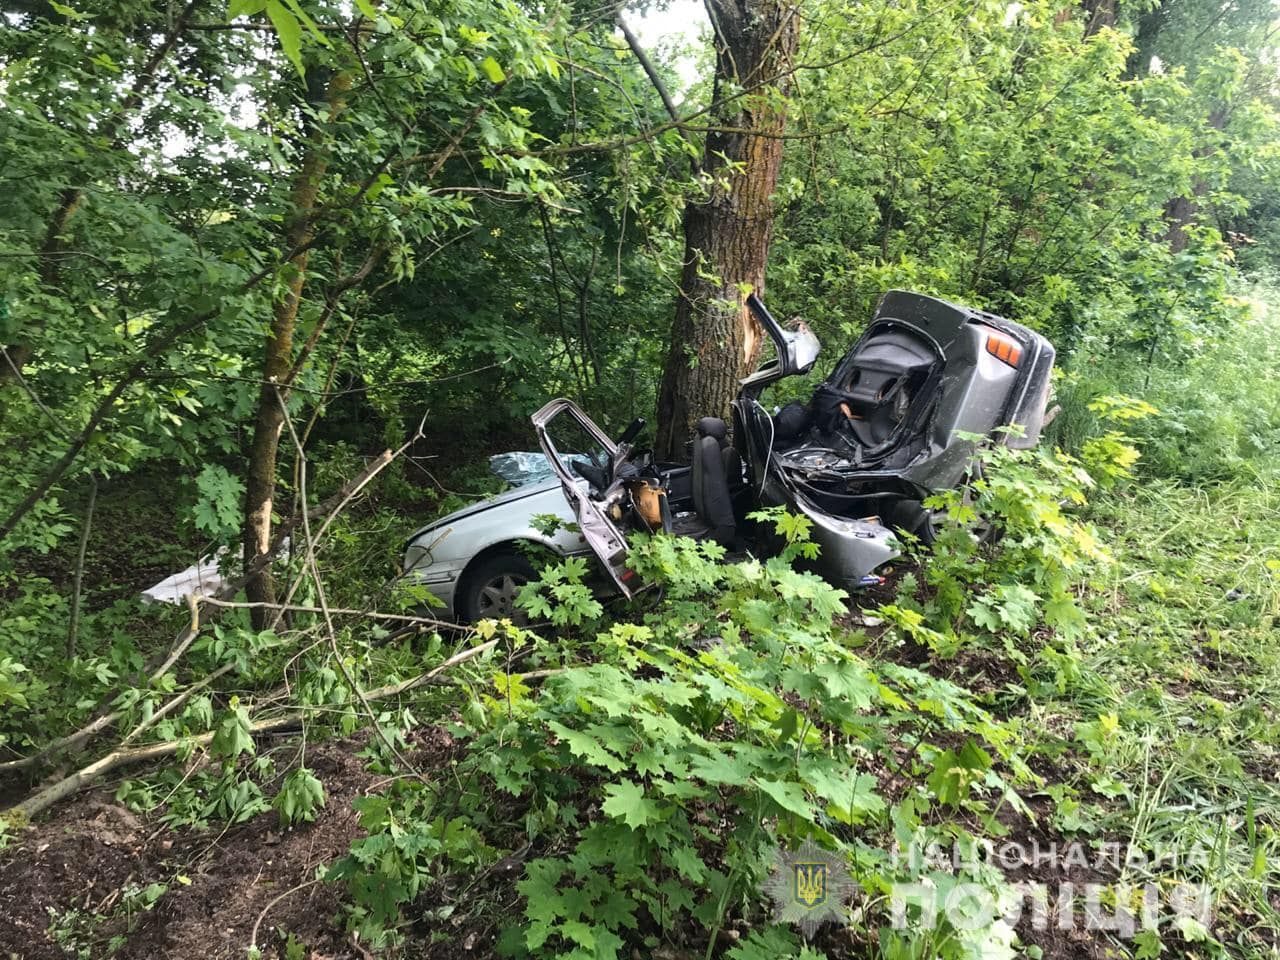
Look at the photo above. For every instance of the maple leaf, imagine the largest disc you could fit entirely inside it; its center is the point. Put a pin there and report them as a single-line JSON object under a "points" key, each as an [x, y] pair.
{"points": [[626, 802]]}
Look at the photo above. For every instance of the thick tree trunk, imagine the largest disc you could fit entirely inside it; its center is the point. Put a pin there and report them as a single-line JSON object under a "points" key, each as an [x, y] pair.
{"points": [[714, 339], [278, 366], [1181, 212]]}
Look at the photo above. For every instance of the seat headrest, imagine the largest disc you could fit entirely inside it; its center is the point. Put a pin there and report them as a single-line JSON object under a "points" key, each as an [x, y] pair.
{"points": [[712, 427]]}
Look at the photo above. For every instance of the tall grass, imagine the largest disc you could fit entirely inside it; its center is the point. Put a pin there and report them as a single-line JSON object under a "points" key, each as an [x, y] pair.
{"points": [[1219, 410]]}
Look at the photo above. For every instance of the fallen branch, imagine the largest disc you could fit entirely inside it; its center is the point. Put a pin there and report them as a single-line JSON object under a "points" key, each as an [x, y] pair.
{"points": [[74, 741], [176, 702], [39, 802], [346, 611], [328, 508]]}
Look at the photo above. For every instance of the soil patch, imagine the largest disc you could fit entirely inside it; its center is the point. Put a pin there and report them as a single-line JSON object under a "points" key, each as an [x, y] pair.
{"points": [[80, 881]]}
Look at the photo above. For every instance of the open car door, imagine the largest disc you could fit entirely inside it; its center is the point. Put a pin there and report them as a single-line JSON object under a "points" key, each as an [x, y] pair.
{"points": [[795, 350], [795, 346], [568, 436]]}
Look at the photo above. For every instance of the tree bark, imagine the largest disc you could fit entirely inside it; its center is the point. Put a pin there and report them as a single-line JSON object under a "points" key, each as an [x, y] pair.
{"points": [[1181, 212], [278, 366], [1098, 14], [714, 339]]}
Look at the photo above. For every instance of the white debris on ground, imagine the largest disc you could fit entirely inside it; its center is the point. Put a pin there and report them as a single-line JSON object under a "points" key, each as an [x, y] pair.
{"points": [[201, 579]]}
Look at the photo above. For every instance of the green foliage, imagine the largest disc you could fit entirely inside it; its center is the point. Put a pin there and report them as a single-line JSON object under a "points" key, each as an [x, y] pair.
{"points": [[301, 795], [219, 496], [793, 528], [741, 695], [561, 594], [1023, 573]]}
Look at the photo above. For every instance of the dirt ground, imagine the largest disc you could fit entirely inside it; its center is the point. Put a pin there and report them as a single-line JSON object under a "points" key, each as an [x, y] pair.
{"points": [[82, 876]]}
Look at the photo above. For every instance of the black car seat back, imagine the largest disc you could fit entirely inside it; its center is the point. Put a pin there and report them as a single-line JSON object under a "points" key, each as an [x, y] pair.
{"points": [[790, 424], [715, 461], [877, 388]]}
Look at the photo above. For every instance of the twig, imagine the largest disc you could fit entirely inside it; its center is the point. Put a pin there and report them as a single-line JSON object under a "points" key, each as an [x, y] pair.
{"points": [[184, 640], [314, 567], [370, 472], [253, 934], [77, 580], [176, 702]]}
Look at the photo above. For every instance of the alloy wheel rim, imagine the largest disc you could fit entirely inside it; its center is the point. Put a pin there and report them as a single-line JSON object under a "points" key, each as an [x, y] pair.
{"points": [[498, 599]]}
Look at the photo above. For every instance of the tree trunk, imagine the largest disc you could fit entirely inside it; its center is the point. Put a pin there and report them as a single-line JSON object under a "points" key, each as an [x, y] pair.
{"points": [[278, 367], [714, 339], [1181, 212], [1098, 14]]}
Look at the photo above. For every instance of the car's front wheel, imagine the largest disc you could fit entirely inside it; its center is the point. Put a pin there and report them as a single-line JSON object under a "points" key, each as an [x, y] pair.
{"points": [[490, 590]]}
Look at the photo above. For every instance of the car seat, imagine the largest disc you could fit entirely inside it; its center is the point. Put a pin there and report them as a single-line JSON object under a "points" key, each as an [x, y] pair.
{"points": [[717, 467], [879, 390]]}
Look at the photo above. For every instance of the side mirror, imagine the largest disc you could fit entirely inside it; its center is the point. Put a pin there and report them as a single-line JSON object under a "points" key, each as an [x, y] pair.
{"points": [[632, 431]]}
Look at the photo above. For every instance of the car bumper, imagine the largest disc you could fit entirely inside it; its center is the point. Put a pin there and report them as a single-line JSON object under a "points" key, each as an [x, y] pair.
{"points": [[441, 581]]}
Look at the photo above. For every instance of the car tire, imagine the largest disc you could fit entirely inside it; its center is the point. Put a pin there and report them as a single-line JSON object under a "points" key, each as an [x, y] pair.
{"points": [[981, 528], [489, 590]]}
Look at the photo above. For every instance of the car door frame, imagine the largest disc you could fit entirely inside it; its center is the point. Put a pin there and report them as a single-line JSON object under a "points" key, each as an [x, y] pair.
{"points": [[604, 538]]}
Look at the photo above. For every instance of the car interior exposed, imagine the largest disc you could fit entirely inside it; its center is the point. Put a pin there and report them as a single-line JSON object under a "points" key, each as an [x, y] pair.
{"points": [[717, 472], [897, 418], [866, 411]]}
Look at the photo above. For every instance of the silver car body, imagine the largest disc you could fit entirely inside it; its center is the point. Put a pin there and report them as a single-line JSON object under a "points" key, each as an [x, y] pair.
{"points": [[979, 385], [439, 555]]}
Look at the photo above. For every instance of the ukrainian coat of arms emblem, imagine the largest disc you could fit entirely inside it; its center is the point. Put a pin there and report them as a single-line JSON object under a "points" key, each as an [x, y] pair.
{"points": [[809, 887]]}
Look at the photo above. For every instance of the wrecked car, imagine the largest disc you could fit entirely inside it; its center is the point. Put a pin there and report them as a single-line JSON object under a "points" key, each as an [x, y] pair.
{"points": [[893, 422]]}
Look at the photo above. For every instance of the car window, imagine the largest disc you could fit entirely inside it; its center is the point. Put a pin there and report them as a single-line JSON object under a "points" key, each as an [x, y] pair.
{"points": [[573, 442]]}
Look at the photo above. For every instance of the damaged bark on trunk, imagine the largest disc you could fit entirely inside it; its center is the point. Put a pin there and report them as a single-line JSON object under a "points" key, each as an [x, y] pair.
{"points": [[714, 339], [278, 364]]}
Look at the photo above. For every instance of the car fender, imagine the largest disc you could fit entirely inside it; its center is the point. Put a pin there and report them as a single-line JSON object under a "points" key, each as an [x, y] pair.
{"points": [[451, 544]]}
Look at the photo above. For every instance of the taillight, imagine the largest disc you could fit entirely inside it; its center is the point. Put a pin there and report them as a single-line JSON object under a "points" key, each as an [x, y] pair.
{"points": [[1002, 348]]}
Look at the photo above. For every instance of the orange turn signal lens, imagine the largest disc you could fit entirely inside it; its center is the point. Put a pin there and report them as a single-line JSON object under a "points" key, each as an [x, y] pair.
{"points": [[1002, 348]]}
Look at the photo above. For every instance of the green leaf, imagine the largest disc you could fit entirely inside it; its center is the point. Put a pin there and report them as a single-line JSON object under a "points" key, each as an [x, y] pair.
{"points": [[1148, 944], [493, 70], [289, 31], [233, 737], [587, 747], [850, 796], [300, 796], [68, 12], [790, 796], [244, 8], [626, 802]]}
